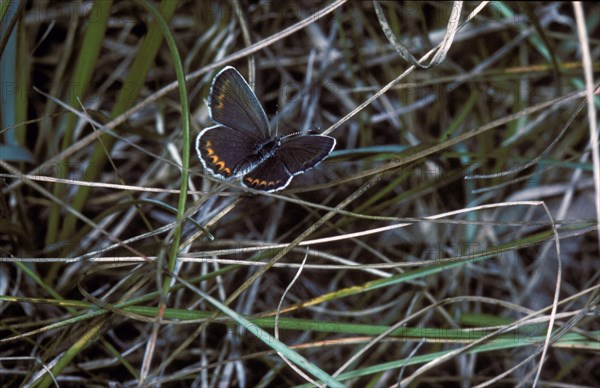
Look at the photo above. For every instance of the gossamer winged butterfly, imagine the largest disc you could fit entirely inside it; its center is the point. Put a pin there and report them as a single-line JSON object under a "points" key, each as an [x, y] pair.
{"points": [[240, 144]]}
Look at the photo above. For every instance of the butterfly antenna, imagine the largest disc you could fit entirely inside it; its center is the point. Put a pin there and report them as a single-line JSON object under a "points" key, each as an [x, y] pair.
{"points": [[277, 123]]}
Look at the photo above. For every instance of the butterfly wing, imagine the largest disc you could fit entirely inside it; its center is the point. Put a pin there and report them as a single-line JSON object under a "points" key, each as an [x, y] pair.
{"points": [[303, 152], [233, 104], [296, 155], [270, 176], [223, 150]]}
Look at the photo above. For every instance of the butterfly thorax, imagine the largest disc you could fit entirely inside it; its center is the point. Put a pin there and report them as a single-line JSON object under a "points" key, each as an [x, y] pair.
{"points": [[262, 152], [268, 148]]}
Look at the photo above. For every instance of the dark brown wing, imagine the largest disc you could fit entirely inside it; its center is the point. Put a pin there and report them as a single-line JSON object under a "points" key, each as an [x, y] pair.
{"points": [[233, 104]]}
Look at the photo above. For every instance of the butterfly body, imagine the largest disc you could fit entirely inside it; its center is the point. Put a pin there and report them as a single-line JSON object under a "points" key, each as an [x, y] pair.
{"points": [[240, 145], [262, 152]]}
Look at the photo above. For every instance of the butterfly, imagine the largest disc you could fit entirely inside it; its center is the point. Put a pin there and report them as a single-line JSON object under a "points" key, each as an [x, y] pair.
{"points": [[240, 143]]}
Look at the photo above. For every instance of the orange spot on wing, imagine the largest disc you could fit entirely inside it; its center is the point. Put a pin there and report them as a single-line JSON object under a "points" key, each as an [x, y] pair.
{"points": [[208, 148], [220, 101], [215, 161], [261, 182]]}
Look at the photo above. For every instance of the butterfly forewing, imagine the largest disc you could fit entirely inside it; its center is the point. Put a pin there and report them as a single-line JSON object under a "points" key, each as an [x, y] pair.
{"points": [[233, 104], [222, 149], [303, 152]]}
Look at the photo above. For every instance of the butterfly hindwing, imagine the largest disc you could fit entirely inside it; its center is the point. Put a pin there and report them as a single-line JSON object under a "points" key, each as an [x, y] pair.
{"points": [[272, 175], [221, 149], [233, 104]]}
